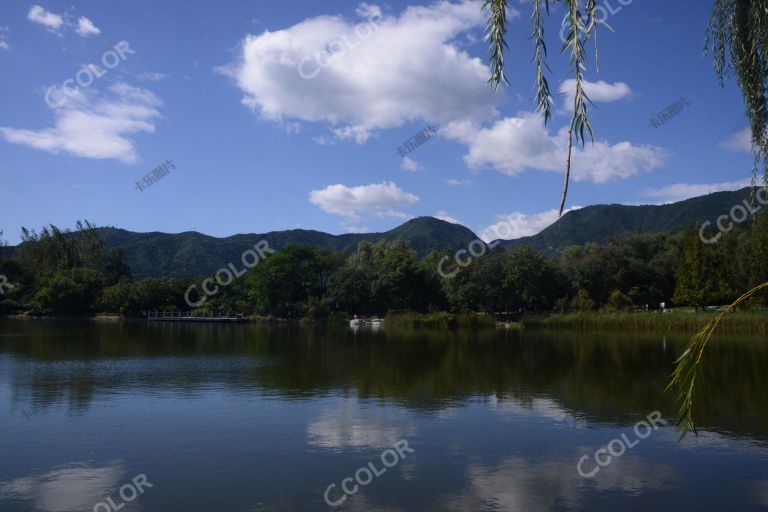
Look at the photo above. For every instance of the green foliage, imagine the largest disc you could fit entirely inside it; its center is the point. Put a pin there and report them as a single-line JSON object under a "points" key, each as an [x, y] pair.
{"points": [[704, 274], [598, 224], [386, 276], [582, 301], [287, 280], [618, 301], [738, 40], [69, 291], [531, 281]]}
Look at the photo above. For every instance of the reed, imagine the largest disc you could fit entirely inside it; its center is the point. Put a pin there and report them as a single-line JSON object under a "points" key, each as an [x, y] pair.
{"points": [[686, 321], [440, 320]]}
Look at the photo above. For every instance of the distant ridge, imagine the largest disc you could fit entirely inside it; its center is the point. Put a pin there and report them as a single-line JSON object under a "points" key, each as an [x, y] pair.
{"points": [[193, 254], [598, 223]]}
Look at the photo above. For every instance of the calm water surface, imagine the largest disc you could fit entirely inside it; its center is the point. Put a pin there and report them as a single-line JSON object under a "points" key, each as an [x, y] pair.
{"points": [[253, 418]]}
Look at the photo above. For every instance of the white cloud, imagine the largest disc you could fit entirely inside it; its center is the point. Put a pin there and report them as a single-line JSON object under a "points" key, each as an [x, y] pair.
{"points": [[85, 27], [458, 183], [4, 39], [370, 78], [739, 142], [519, 484], [49, 20], [375, 199], [352, 426], [681, 191], [514, 144], [518, 224], [149, 76], [598, 92], [93, 125], [65, 488], [409, 164], [442, 215]]}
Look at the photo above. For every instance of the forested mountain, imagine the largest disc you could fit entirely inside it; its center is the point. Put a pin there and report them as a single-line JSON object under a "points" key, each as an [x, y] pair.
{"points": [[193, 254], [598, 223]]}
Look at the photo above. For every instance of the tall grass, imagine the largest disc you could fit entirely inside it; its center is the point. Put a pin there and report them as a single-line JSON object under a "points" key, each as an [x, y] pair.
{"points": [[686, 321], [440, 320]]}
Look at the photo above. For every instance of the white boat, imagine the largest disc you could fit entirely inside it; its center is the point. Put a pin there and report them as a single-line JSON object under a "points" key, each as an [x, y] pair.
{"points": [[373, 322]]}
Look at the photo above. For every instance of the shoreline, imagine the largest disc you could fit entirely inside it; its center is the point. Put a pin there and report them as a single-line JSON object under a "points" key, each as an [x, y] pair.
{"points": [[678, 321]]}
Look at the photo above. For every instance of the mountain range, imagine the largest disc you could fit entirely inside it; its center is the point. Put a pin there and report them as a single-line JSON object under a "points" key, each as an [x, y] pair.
{"points": [[192, 254]]}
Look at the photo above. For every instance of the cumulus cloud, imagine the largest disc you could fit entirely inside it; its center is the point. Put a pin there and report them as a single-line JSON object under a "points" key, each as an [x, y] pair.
{"points": [[457, 183], [514, 144], [351, 426], [739, 142], [368, 75], [518, 224], [598, 92], [376, 199], [85, 27], [681, 191], [522, 484], [409, 164], [49, 20], [94, 125], [66, 488]]}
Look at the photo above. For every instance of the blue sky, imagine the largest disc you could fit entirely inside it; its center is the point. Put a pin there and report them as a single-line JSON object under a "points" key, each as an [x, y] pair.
{"points": [[216, 88]]}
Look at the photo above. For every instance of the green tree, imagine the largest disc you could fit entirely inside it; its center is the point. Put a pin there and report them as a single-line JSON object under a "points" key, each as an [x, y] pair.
{"points": [[531, 281], [70, 291], [284, 283], [582, 301]]}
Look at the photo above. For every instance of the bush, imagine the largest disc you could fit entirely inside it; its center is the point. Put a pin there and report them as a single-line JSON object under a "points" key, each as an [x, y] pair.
{"points": [[618, 301]]}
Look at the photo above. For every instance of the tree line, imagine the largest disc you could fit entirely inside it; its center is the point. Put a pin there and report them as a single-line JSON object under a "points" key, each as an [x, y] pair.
{"points": [[70, 272]]}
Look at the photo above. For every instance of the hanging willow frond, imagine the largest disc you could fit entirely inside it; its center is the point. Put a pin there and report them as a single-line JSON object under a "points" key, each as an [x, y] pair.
{"points": [[578, 32], [543, 95], [495, 33], [689, 365], [580, 29], [737, 37]]}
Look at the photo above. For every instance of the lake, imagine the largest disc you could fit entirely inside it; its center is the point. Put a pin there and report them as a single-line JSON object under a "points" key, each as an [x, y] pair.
{"points": [[133, 416]]}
